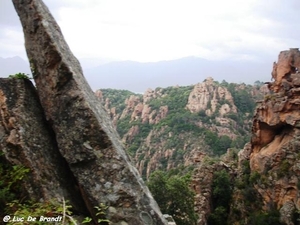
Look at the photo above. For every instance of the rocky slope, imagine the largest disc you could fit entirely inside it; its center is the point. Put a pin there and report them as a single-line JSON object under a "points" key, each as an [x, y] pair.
{"points": [[167, 127], [64, 138], [262, 180], [275, 154], [264, 176]]}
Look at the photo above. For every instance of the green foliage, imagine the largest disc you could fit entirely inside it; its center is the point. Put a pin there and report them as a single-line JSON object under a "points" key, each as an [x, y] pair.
{"points": [[284, 168], [258, 84], [158, 186], [10, 182], [298, 184], [221, 196], [13, 198], [245, 183], [251, 199], [265, 218], [223, 101], [174, 97], [117, 97], [20, 76], [246, 167], [240, 141], [221, 188], [217, 217], [100, 214], [202, 113], [123, 125], [242, 99], [33, 209], [174, 196], [219, 145], [233, 116], [224, 83], [144, 130], [296, 216], [254, 177], [210, 160], [244, 102], [180, 125], [180, 121]]}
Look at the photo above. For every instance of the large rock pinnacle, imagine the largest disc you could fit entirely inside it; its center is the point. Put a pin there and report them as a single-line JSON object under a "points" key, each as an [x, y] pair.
{"points": [[84, 133], [275, 139]]}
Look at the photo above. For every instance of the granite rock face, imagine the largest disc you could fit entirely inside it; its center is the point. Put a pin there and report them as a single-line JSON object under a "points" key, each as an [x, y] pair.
{"points": [[288, 64], [275, 152], [207, 95], [84, 133], [26, 139]]}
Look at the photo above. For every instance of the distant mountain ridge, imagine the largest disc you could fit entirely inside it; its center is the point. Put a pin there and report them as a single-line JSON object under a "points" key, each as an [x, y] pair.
{"points": [[13, 65], [138, 77]]}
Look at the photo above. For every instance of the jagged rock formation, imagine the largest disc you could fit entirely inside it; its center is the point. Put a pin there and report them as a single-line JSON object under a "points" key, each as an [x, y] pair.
{"points": [[26, 139], [168, 127], [266, 174], [275, 143], [83, 131], [136, 108], [206, 97], [288, 64]]}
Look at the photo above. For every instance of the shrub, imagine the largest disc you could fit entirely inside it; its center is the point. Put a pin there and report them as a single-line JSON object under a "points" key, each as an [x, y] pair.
{"points": [[174, 196], [217, 217], [254, 177], [265, 218], [221, 196], [20, 76], [10, 182], [284, 168]]}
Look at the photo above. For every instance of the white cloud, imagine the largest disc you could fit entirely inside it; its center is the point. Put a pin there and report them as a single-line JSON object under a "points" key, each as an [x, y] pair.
{"points": [[12, 42], [167, 29]]}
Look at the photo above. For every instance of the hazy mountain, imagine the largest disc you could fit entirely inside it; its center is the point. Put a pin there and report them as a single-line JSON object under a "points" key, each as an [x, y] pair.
{"points": [[13, 65], [138, 77], [88, 63]]}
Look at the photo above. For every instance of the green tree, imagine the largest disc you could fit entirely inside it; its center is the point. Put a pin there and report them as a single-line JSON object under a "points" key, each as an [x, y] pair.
{"points": [[265, 218], [181, 199], [222, 144], [158, 186], [174, 196], [221, 196], [258, 83]]}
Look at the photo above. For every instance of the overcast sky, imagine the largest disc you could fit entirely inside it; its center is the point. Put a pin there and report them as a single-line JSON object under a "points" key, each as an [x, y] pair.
{"points": [[154, 30]]}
